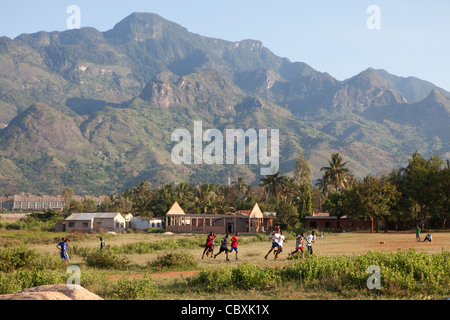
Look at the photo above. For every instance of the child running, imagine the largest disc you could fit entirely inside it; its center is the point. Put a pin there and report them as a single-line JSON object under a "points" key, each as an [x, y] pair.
{"points": [[208, 245], [234, 244], [281, 239], [213, 244], [309, 241], [274, 236], [224, 247], [298, 245]]}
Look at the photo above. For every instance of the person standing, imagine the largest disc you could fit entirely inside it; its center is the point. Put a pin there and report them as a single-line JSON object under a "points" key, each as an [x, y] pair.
{"points": [[418, 234], [63, 246], [309, 241], [102, 243], [234, 244]]}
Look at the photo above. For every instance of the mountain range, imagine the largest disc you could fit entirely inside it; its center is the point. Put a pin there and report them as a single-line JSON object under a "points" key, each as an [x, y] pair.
{"points": [[95, 110]]}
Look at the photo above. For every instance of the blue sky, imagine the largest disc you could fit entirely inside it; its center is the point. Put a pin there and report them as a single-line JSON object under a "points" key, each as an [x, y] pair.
{"points": [[330, 36]]}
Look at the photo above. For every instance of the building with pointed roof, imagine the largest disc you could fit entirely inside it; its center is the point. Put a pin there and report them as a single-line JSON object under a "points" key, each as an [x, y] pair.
{"points": [[252, 221]]}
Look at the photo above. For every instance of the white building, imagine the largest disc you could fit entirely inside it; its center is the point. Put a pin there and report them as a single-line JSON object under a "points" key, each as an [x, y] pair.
{"points": [[138, 223], [96, 222]]}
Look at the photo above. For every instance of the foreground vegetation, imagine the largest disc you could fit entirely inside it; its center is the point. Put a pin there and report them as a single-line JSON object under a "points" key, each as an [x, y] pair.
{"points": [[127, 269]]}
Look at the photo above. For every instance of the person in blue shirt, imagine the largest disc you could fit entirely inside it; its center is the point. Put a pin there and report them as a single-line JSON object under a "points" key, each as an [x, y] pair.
{"points": [[62, 246]]}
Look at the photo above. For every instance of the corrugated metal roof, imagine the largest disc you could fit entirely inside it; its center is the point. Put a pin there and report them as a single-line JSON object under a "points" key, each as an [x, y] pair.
{"points": [[91, 215]]}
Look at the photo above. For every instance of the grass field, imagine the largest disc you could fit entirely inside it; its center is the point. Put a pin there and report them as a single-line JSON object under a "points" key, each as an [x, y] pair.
{"points": [[185, 281]]}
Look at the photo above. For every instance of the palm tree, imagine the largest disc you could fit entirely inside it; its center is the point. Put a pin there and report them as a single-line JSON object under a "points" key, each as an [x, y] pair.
{"points": [[336, 174], [202, 196], [288, 188], [272, 184], [241, 186], [322, 185]]}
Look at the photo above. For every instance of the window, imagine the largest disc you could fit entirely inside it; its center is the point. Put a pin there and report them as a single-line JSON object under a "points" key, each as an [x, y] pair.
{"points": [[85, 225], [71, 224]]}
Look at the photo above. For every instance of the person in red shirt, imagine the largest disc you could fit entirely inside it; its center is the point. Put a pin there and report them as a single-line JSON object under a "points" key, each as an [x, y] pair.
{"points": [[208, 245], [234, 244]]}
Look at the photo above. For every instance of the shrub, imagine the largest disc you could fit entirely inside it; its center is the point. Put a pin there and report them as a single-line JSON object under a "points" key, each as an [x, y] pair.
{"points": [[246, 276], [20, 280], [105, 259], [12, 259], [133, 289], [174, 259]]}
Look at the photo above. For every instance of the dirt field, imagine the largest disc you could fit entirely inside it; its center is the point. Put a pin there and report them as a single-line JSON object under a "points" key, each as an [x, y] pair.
{"points": [[331, 245]]}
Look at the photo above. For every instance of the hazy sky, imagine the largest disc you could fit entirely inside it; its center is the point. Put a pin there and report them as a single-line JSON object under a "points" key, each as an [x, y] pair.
{"points": [[331, 36]]}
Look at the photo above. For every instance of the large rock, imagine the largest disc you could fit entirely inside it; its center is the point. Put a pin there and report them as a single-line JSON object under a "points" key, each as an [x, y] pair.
{"points": [[52, 292]]}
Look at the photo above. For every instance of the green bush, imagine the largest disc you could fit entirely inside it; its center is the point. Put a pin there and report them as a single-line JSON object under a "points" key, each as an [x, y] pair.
{"points": [[401, 273], [105, 259], [246, 276], [12, 259], [133, 289], [174, 260], [20, 280]]}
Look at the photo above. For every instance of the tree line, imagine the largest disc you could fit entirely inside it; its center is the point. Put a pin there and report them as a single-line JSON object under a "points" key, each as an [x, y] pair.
{"points": [[418, 194]]}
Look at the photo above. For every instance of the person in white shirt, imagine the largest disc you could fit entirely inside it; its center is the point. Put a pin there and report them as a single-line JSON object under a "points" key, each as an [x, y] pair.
{"points": [[274, 236], [281, 239], [309, 241]]}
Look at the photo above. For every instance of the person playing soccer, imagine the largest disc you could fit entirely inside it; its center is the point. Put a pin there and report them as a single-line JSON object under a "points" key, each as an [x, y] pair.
{"points": [[234, 244], [298, 245], [274, 236], [213, 244], [281, 240], [309, 241], [208, 245], [224, 247]]}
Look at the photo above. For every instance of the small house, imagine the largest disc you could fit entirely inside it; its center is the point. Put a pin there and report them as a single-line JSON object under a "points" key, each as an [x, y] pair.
{"points": [[138, 223], [96, 222]]}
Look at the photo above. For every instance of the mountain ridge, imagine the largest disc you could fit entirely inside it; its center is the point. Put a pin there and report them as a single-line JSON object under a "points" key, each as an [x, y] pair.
{"points": [[116, 96]]}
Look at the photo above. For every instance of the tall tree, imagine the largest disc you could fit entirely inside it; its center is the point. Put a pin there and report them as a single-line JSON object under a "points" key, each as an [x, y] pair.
{"points": [[67, 195], [444, 199], [241, 186], [302, 170], [336, 174], [372, 199], [272, 185], [421, 183]]}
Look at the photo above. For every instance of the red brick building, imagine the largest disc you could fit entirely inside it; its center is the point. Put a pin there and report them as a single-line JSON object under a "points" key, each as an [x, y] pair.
{"points": [[323, 220]]}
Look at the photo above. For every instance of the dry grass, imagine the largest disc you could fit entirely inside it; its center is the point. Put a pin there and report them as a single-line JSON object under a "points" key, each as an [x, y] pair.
{"points": [[351, 243]]}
